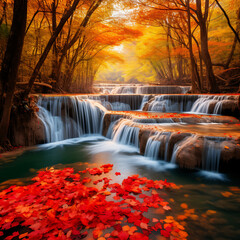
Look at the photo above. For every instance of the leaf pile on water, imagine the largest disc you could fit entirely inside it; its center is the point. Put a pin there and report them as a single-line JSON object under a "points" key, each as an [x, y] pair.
{"points": [[62, 204]]}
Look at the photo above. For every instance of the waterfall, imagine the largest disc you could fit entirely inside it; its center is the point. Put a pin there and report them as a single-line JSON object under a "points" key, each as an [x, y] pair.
{"points": [[205, 103], [124, 132], [70, 117], [152, 148], [174, 153], [172, 103], [121, 102], [150, 89], [118, 106], [212, 154], [144, 101], [123, 90], [154, 143]]}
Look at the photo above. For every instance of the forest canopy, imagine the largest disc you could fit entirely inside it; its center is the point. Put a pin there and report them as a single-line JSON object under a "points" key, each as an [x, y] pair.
{"points": [[145, 40]]}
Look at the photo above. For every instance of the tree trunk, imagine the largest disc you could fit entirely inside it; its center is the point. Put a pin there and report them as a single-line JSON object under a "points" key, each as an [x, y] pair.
{"points": [[211, 80], [196, 87], [170, 68], [202, 18], [234, 41], [180, 67], [11, 62], [54, 51]]}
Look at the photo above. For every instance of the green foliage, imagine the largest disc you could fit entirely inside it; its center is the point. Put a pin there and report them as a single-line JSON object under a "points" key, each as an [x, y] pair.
{"points": [[4, 31]]}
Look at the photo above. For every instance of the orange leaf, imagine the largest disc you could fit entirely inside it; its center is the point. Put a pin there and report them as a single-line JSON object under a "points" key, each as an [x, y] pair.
{"points": [[23, 235], [126, 228], [226, 194], [184, 206], [143, 225], [181, 217]]}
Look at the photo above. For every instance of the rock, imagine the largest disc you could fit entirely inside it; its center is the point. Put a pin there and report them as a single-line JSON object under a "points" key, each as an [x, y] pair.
{"points": [[175, 138], [143, 138], [230, 156], [163, 138], [26, 129], [106, 123], [231, 108], [190, 153], [211, 107], [146, 106], [108, 119]]}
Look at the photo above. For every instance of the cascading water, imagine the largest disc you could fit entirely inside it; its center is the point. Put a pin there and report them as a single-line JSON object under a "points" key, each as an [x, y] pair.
{"points": [[150, 89], [118, 106], [172, 103], [203, 104], [125, 133], [152, 148], [154, 143], [206, 104], [174, 154], [212, 154], [144, 101], [70, 117], [73, 116]]}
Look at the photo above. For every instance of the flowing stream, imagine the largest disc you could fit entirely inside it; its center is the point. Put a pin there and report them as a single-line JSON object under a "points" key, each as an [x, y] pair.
{"points": [[74, 126]]}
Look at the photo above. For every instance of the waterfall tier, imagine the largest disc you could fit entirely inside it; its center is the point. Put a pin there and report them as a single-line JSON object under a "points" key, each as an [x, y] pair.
{"points": [[69, 117], [190, 140], [207, 104], [188, 145], [140, 89]]}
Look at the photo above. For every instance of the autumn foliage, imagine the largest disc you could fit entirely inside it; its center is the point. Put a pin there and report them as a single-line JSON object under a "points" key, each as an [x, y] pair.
{"points": [[62, 204]]}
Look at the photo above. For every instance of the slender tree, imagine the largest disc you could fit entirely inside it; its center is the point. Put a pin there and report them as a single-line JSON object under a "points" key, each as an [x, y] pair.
{"points": [[10, 65]]}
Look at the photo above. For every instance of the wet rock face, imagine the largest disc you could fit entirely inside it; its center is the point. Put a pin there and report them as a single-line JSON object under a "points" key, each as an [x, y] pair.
{"points": [[146, 106], [230, 156], [190, 153], [231, 108], [174, 139], [108, 119], [27, 130], [143, 138], [106, 123]]}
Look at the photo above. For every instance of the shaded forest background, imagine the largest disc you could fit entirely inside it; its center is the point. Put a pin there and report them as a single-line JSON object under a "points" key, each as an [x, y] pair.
{"points": [[64, 45]]}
